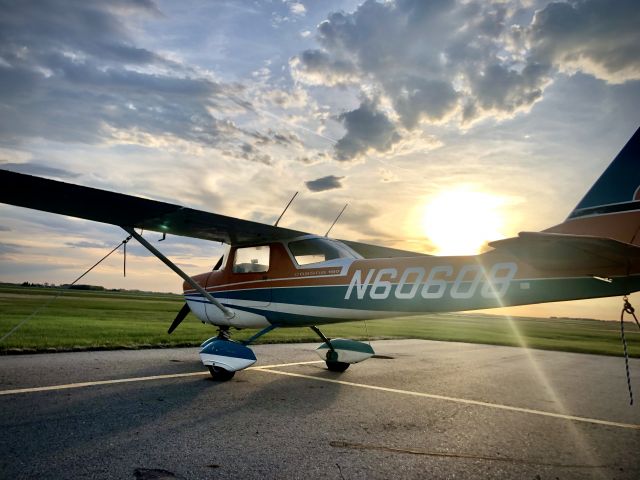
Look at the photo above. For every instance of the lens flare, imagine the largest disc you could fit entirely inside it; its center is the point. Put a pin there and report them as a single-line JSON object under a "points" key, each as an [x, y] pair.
{"points": [[581, 442]]}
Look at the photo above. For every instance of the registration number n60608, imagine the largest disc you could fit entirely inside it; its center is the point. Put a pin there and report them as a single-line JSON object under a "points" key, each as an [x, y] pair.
{"points": [[438, 281]]}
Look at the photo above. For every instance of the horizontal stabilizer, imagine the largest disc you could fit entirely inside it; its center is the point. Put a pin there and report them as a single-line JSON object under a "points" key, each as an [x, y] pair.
{"points": [[555, 251]]}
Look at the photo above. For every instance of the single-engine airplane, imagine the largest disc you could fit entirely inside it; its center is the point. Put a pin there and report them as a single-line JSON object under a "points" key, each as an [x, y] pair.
{"points": [[272, 277]]}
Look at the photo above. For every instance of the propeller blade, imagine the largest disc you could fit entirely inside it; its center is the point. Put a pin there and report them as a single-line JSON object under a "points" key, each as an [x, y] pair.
{"points": [[184, 311]]}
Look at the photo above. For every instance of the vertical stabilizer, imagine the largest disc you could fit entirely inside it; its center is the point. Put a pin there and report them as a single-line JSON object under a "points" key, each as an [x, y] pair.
{"points": [[618, 188], [611, 207]]}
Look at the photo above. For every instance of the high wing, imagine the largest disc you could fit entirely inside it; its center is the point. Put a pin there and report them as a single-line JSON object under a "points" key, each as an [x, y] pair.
{"points": [[557, 251], [128, 211], [135, 212]]}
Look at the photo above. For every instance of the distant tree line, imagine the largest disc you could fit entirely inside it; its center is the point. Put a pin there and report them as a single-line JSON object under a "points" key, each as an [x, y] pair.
{"points": [[92, 288], [98, 288]]}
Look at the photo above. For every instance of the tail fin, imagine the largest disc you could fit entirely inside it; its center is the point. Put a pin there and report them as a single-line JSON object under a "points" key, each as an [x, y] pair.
{"points": [[611, 208]]}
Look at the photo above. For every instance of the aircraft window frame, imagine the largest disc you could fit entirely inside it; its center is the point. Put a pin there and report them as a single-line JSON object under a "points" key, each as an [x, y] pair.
{"points": [[235, 260], [225, 258], [344, 252]]}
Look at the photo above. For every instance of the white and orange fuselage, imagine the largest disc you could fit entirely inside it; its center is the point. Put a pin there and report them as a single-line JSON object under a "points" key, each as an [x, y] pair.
{"points": [[354, 288]]}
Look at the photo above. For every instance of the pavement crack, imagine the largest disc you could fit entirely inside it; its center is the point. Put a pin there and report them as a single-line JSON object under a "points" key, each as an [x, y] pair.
{"points": [[154, 474], [411, 451]]}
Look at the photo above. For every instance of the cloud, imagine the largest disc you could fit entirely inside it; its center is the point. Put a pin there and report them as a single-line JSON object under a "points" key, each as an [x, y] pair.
{"points": [[598, 37], [367, 128], [4, 228], [70, 71], [86, 244], [316, 67], [273, 137], [319, 213], [34, 168], [9, 248], [463, 61], [330, 182], [251, 154], [502, 91], [297, 8]]}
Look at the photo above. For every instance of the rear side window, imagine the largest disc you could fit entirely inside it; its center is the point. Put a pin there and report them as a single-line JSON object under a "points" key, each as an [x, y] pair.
{"points": [[317, 250], [251, 259]]}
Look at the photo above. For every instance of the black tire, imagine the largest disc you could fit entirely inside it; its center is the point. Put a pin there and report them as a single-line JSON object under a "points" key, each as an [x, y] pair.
{"points": [[220, 374], [337, 366]]}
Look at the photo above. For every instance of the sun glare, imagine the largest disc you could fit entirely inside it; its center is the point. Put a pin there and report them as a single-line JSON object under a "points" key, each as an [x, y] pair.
{"points": [[462, 220]]}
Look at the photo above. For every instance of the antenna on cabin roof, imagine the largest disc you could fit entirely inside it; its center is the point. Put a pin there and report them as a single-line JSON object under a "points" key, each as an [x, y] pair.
{"points": [[285, 209], [334, 222]]}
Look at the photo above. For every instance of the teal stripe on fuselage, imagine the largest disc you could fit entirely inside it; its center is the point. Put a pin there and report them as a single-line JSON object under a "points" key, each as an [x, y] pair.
{"points": [[520, 292], [282, 319]]}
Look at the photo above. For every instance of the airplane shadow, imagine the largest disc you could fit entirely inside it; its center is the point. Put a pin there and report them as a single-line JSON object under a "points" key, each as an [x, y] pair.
{"points": [[55, 427]]}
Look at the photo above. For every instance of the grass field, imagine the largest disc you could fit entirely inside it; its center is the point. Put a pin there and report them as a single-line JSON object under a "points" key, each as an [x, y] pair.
{"points": [[110, 320]]}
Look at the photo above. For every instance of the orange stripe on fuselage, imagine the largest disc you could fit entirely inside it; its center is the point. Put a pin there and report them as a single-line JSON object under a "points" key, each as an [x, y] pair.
{"points": [[289, 277]]}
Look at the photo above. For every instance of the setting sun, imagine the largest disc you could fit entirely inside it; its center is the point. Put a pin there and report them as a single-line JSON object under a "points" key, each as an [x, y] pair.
{"points": [[462, 220]]}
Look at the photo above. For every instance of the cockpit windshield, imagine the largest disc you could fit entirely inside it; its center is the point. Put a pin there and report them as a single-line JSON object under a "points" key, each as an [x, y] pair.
{"points": [[318, 250]]}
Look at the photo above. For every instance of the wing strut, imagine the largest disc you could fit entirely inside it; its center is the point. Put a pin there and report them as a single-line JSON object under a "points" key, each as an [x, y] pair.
{"points": [[227, 313]]}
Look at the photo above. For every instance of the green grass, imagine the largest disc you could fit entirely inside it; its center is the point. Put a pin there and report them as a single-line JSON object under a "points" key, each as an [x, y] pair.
{"points": [[109, 320]]}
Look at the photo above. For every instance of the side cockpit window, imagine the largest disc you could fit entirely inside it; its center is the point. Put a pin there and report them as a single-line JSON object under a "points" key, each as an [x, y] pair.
{"points": [[317, 250], [251, 259]]}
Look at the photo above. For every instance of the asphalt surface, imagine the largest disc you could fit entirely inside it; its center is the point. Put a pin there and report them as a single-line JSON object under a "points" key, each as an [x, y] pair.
{"points": [[430, 410]]}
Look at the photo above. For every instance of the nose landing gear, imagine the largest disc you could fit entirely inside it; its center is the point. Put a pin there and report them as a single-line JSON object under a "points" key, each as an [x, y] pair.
{"points": [[223, 357]]}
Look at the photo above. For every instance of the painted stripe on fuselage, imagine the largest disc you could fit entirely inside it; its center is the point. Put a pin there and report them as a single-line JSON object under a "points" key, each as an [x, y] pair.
{"points": [[328, 303], [520, 291]]}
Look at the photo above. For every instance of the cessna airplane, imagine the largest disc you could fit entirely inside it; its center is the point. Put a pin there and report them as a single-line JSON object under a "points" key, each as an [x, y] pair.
{"points": [[272, 277]]}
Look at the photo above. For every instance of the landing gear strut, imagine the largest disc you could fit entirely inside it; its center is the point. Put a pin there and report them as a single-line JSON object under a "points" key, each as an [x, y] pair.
{"points": [[223, 333], [332, 362]]}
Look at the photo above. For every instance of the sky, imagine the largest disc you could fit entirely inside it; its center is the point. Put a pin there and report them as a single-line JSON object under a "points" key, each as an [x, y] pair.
{"points": [[400, 109]]}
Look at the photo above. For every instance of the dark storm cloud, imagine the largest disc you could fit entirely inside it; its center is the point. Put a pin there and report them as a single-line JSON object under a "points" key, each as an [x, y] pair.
{"points": [[318, 67], [70, 71], [501, 89], [441, 60], [330, 182], [367, 128], [600, 37]]}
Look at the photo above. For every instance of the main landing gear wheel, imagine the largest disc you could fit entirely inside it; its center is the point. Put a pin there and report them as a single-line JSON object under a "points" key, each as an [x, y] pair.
{"points": [[337, 366], [220, 374]]}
